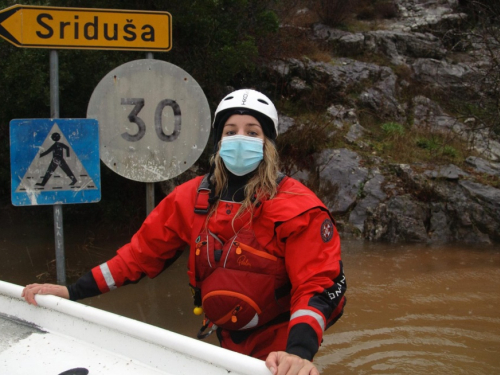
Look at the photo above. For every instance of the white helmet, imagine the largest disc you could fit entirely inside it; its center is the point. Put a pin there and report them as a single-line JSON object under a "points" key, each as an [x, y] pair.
{"points": [[247, 99]]}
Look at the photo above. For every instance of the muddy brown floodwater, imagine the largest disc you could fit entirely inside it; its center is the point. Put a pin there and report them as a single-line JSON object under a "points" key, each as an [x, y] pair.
{"points": [[412, 309]]}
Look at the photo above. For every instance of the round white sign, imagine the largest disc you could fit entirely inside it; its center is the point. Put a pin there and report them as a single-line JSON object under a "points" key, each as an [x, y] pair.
{"points": [[154, 120]]}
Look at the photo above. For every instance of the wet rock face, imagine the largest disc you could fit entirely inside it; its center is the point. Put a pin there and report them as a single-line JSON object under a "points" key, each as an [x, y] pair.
{"points": [[342, 177], [454, 77], [436, 206], [339, 77], [484, 207], [400, 219], [484, 166], [448, 172], [370, 197], [399, 47]]}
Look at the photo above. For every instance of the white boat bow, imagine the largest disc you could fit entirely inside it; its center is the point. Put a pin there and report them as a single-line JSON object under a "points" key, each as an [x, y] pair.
{"points": [[65, 337]]}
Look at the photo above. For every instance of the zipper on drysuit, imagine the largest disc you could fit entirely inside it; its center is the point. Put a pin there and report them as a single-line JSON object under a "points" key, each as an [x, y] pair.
{"points": [[240, 247], [198, 246], [217, 252]]}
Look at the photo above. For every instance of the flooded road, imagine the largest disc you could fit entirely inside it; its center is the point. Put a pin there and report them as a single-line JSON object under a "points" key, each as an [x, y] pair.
{"points": [[415, 309], [412, 309]]}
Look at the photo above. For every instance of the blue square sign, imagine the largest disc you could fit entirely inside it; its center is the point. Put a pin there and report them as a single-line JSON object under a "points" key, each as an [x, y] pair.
{"points": [[54, 161]]}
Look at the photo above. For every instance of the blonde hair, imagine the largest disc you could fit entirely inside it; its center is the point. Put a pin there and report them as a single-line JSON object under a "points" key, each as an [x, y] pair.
{"points": [[262, 185]]}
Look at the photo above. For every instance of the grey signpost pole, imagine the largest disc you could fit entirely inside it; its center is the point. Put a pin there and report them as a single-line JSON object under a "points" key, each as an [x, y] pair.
{"points": [[150, 186], [57, 208]]}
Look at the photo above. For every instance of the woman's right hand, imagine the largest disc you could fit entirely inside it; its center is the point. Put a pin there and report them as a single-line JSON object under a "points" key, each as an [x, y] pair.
{"points": [[33, 289]]}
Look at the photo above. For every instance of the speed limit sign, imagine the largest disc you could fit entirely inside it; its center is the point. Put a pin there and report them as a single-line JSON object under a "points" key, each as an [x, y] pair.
{"points": [[154, 120]]}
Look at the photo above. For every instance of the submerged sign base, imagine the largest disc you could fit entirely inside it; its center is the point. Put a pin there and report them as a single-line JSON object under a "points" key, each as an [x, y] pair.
{"points": [[54, 161]]}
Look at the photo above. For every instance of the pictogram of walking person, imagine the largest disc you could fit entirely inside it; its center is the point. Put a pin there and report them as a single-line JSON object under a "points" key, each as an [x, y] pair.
{"points": [[57, 160]]}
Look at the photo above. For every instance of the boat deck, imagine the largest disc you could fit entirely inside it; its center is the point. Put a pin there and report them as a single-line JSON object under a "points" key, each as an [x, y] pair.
{"points": [[26, 349]]}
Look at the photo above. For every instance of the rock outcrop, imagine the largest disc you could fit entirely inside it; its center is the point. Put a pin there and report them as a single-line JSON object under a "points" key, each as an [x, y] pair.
{"points": [[376, 199]]}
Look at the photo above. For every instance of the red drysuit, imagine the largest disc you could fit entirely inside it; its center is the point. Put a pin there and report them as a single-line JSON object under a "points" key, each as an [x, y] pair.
{"points": [[288, 256]]}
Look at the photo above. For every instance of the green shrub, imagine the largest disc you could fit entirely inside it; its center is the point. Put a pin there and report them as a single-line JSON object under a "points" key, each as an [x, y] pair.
{"points": [[450, 151], [393, 129], [430, 144], [437, 147], [299, 146]]}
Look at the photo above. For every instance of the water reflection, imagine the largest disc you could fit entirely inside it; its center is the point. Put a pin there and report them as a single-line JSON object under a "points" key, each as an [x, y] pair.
{"points": [[411, 309]]}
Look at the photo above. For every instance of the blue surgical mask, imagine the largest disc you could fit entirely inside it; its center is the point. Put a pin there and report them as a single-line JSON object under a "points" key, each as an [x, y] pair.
{"points": [[241, 154]]}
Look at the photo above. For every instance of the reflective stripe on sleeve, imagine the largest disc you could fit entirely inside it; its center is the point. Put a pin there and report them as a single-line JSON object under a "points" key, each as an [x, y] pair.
{"points": [[106, 273], [319, 318]]}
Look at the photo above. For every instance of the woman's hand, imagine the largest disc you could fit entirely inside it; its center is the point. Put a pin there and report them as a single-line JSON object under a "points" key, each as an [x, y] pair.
{"points": [[32, 289], [282, 363]]}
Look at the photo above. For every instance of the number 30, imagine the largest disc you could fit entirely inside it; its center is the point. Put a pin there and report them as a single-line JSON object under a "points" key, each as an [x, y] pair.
{"points": [[138, 103]]}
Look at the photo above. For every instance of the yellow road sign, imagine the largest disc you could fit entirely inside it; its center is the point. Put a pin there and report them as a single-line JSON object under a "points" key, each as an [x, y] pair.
{"points": [[86, 28]]}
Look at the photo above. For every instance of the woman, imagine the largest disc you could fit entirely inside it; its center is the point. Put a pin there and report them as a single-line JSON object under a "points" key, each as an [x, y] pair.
{"points": [[264, 262]]}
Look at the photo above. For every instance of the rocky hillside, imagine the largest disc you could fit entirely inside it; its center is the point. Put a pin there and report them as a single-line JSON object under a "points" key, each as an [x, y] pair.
{"points": [[407, 87]]}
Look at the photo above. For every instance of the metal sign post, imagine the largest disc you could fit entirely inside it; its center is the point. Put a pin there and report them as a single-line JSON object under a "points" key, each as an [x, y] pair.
{"points": [[150, 186], [57, 208]]}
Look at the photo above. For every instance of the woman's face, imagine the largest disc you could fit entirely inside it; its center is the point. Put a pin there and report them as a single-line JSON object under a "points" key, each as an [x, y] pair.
{"points": [[242, 125]]}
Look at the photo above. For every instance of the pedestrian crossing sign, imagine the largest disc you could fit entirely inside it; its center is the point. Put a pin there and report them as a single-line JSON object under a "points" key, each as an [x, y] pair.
{"points": [[54, 161]]}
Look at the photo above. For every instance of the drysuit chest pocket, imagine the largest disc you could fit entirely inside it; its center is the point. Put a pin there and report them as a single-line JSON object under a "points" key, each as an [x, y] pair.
{"points": [[238, 289], [235, 299]]}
